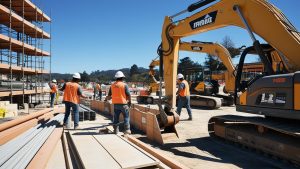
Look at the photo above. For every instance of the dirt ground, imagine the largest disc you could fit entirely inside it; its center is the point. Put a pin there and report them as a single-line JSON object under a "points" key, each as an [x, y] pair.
{"points": [[196, 149]]}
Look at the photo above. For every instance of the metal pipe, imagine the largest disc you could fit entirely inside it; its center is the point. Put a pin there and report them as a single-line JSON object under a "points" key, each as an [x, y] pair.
{"points": [[237, 9]]}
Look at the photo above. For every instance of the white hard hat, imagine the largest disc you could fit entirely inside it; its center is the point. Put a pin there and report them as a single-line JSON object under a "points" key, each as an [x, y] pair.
{"points": [[54, 81], [180, 76], [119, 74], [76, 76]]}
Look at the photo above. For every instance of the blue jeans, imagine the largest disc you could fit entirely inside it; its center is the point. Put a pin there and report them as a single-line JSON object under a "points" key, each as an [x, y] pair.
{"points": [[184, 101], [122, 108], [75, 108], [100, 95], [52, 97]]}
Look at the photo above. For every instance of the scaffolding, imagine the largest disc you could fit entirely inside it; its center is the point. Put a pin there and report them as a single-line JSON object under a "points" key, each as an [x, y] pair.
{"points": [[22, 55]]}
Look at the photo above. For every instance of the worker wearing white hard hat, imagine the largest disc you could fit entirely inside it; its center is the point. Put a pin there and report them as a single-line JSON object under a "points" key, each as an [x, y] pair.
{"points": [[53, 92], [183, 96], [72, 93], [119, 74], [121, 98], [76, 76], [180, 76]]}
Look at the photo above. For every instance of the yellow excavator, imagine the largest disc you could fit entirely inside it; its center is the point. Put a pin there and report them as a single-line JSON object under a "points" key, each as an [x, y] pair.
{"points": [[210, 88], [274, 97], [212, 99]]}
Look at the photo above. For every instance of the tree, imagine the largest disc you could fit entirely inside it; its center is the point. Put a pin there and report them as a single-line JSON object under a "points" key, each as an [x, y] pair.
{"points": [[134, 70], [213, 64], [186, 66], [85, 77], [229, 45]]}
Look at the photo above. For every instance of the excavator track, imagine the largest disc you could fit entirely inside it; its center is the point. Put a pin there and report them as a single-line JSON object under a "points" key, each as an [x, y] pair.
{"points": [[276, 137], [205, 101]]}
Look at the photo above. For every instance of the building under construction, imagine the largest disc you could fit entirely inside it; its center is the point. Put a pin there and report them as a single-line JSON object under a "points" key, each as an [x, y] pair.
{"points": [[23, 55]]}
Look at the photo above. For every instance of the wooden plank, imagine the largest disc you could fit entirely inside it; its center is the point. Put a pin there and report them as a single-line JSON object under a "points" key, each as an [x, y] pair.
{"points": [[92, 154], [163, 158], [23, 119], [40, 160], [150, 126], [31, 12], [138, 119], [13, 132], [57, 159], [131, 115], [157, 133], [125, 154], [66, 149], [144, 121]]}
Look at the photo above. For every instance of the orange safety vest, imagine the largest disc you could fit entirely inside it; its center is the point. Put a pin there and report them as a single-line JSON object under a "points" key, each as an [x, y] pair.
{"points": [[53, 88], [118, 93], [71, 93], [186, 91]]}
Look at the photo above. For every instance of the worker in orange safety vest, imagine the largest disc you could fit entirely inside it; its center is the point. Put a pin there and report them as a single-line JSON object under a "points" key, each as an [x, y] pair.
{"points": [[121, 98], [53, 92], [72, 93], [183, 96]]}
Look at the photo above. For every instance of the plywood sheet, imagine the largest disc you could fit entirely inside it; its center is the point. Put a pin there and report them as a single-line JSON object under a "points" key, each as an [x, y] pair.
{"points": [[92, 154], [124, 153]]}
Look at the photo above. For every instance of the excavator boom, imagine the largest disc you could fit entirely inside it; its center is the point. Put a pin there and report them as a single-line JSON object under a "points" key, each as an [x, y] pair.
{"points": [[218, 50]]}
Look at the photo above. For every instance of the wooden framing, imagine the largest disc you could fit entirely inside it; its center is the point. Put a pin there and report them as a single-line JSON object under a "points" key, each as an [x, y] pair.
{"points": [[26, 92], [31, 12], [17, 24], [5, 68], [17, 46]]}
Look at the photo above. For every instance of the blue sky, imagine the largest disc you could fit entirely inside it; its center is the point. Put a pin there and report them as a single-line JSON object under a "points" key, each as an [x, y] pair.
{"points": [[113, 34]]}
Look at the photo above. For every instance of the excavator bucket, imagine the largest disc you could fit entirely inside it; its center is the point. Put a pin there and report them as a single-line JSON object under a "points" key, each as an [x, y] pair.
{"points": [[158, 128]]}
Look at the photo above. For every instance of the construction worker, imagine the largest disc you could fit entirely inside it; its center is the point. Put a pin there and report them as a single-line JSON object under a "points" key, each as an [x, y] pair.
{"points": [[183, 96], [72, 92], [120, 95], [53, 92], [97, 91]]}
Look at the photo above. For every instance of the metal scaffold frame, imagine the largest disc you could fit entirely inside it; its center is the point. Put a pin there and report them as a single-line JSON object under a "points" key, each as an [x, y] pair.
{"points": [[22, 59]]}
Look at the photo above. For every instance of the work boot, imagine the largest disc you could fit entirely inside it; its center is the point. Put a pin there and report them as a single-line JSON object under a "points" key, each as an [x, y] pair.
{"points": [[77, 127], [116, 129], [127, 129]]}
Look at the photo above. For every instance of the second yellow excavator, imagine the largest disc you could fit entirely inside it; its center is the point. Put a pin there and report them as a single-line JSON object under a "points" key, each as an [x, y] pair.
{"points": [[211, 100]]}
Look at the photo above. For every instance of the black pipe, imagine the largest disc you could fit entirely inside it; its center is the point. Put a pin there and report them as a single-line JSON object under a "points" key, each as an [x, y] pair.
{"points": [[199, 4], [268, 66], [161, 65], [239, 72]]}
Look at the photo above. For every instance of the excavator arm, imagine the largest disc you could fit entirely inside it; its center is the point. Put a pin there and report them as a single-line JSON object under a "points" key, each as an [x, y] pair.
{"points": [[218, 50], [256, 16]]}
